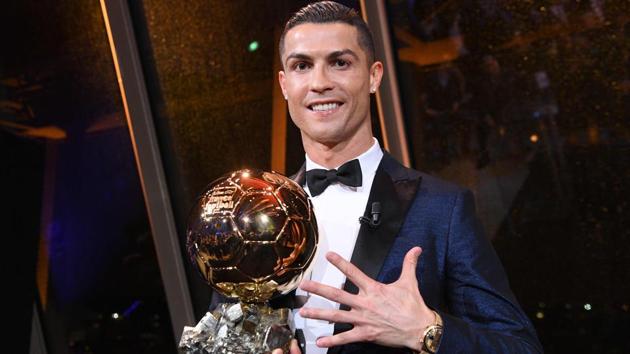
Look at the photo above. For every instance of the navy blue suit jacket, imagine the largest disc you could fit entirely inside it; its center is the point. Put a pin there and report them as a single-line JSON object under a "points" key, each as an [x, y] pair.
{"points": [[459, 273]]}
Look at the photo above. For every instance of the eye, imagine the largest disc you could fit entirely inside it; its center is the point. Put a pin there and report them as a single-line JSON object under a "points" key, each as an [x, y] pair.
{"points": [[340, 63], [300, 66]]}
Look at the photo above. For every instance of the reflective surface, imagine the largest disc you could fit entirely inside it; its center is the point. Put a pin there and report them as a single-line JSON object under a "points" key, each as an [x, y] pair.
{"points": [[252, 235], [526, 103]]}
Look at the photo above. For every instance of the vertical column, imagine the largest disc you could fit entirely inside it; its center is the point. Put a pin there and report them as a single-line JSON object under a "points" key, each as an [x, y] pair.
{"points": [[388, 97], [279, 117], [146, 150]]}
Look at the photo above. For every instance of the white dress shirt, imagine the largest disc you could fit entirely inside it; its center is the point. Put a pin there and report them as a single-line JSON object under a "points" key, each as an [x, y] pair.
{"points": [[337, 210]]}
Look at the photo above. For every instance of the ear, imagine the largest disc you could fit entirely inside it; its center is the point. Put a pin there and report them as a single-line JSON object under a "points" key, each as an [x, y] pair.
{"points": [[376, 74], [281, 80]]}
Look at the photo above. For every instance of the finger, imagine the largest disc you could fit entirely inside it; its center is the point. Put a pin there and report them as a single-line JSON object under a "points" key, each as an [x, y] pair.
{"points": [[328, 292], [410, 263], [342, 338], [353, 273], [295, 347], [333, 316]]}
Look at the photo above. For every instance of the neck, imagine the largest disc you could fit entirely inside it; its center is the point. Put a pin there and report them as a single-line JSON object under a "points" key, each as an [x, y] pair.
{"points": [[331, 155]]}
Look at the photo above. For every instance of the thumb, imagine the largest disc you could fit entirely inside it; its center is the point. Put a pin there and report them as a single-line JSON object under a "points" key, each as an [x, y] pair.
{"points": [[408, 273], [295, 348]]}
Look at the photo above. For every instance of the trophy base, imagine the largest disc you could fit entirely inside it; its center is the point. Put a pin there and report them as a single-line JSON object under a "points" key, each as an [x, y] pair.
{"points": [[239, 328]]}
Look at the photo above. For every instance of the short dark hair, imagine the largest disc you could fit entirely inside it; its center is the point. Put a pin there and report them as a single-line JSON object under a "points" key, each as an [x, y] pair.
{"points": [[331, 12]]}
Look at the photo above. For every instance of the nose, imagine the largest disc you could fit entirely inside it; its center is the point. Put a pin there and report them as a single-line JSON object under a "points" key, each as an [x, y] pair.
{"points": [[320, 80]]}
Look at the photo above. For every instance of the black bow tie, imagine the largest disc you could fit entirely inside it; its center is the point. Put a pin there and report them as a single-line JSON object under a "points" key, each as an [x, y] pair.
{"points": [[319, 179]]}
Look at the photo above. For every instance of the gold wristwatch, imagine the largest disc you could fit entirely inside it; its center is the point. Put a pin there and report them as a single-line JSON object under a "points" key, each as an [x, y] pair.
{"points": [[432, 336]]}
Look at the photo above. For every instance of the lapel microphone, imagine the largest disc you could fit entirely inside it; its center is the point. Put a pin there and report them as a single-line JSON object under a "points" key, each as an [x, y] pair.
{"points": [[375, 220]]}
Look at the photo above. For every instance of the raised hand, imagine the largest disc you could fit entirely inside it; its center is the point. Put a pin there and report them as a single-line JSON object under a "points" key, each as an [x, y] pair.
{"points": [[393, 315]]}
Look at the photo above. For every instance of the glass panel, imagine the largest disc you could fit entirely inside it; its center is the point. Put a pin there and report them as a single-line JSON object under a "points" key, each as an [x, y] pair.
{"points": [[73, 178], [210, 72], [526, 103]]}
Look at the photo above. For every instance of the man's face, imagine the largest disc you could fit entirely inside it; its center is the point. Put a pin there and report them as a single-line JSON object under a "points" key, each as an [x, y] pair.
{"points": [[327, 82]]}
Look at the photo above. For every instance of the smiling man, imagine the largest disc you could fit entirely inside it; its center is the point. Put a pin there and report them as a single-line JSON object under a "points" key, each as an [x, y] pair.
{"points": [[327, 80], [370, 291]]}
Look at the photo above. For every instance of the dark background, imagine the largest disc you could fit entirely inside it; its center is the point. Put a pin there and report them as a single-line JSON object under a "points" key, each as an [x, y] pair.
{"points": [[525, 103]]}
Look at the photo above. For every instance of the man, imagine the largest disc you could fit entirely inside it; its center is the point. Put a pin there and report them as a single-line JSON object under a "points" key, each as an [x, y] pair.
{"points": [[387, 299]]}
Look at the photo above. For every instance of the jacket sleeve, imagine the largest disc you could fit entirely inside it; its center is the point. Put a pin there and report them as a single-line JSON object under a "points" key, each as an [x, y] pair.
{"points": [[483, 314]]}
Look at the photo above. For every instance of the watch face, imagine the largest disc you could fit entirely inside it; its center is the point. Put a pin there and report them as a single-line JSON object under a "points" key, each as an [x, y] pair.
{"points": [[432, 338]]}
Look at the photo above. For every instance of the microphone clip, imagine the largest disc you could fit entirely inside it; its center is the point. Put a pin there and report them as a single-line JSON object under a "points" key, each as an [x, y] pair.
{"points": [[375, 220]]}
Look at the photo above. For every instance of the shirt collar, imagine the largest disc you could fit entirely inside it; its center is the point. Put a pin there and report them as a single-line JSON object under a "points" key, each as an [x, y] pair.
{"points": [[368, 160]]}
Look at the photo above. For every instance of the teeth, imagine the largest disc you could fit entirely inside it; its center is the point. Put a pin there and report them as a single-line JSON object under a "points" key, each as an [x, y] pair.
{"points": [[325, 107]]}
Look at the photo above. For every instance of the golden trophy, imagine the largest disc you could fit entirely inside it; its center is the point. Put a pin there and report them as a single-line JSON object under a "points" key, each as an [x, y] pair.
{"points": [[252, 236]]}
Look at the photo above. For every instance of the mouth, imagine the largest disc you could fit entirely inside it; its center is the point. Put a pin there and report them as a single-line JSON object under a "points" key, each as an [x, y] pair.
{"points": [[325, 107]]}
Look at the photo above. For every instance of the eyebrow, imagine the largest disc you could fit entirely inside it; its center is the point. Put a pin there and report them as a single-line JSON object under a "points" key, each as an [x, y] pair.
{"points": [[332, 55], [338, 53]]}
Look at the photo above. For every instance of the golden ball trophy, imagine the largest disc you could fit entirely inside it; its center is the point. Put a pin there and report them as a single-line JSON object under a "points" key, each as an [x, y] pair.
{"points": [[252, 236]]}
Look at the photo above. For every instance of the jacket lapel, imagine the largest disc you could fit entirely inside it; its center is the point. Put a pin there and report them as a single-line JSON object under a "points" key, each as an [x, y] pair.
{"points": [[300, 176], [394, 187]]}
